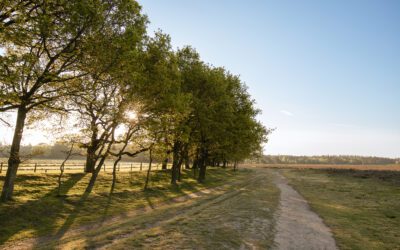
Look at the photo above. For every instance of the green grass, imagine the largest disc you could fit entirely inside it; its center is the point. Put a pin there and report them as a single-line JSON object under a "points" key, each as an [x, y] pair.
{"points": [[361, 207], [238, 215], [38, 211], [240, 218]]}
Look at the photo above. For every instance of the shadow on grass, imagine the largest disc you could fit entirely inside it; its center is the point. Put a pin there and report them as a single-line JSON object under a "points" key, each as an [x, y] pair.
{"points": [[72, 216], [53, 216], [38, 215]]}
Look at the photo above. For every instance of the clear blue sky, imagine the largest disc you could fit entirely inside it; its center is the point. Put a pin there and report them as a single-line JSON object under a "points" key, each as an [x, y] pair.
{"points": [[325, 73]]}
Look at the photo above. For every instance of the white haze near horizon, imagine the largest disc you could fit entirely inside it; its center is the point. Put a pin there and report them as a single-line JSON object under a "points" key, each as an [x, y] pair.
{"points": [[324, 73], [282, 141]]}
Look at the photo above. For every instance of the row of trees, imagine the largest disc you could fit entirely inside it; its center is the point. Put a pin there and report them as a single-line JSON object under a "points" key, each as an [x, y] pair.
{"points": [[92, 65]]}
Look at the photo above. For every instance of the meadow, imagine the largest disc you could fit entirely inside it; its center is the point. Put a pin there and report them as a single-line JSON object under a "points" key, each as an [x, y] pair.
{"points": [[38, 210], [361, 207], [358, 203], [373, 167]]}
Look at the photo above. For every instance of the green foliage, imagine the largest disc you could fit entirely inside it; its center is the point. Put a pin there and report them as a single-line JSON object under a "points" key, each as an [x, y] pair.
{"points": [[93, 62]]}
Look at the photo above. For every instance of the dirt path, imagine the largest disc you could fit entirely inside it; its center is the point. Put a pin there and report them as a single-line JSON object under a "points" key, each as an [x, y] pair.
{"points": [[297, 227]]}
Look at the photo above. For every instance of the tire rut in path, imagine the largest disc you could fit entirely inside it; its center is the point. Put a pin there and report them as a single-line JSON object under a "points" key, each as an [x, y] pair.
{"points": [[297, 227]]}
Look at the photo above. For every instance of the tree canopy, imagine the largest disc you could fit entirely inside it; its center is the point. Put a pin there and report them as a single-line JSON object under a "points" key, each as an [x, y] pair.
{"points": [[126, 90]]}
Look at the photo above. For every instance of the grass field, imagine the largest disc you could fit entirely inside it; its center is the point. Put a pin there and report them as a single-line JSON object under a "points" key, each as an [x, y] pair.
{"points": [[38, 211], [362, 207], [238, 215], [388, 167]]}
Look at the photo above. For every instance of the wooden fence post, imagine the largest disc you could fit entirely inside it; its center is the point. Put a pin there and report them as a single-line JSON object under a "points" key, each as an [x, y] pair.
{"points": [[1, 168], [131, 167], [141, 166], [34, 170]]}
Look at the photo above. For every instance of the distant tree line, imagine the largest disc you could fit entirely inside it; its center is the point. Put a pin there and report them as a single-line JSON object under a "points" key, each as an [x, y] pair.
{"points": [[57, 151], [326, 159], [92, 64]]}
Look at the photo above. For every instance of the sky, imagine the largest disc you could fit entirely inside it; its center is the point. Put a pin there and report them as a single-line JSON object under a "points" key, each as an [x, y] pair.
{"points": [[326, 74]]}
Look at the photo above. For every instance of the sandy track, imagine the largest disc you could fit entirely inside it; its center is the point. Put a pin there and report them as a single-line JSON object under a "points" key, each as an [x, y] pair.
{"points": [[297, 227]]}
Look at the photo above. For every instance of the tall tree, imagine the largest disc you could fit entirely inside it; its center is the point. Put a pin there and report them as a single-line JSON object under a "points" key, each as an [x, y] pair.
{"points": [[163, 99], [43, 52]]}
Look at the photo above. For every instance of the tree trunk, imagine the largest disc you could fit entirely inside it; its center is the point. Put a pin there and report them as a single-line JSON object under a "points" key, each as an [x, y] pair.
{"points": [[92, 148], [224, 164], [69, 153], [195, 163], [185, 156], [93, 178], [202, 172], [180, 167], [148, 171], [90, 160], [14, 159], [164, 164], [114, 173], [202, 165], [175, 162], [235, 166], [187, 160]]}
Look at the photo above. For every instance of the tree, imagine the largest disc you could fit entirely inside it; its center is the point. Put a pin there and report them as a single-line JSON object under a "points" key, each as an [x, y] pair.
{"points": [[44, 51], [162, 97], [222, 121]]}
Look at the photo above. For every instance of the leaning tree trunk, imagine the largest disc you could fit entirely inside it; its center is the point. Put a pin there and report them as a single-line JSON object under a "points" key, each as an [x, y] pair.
{"points": [[93, 178], [14, 159]]}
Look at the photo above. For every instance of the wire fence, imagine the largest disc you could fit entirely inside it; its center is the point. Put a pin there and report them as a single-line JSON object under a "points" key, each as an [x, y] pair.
{"points": [[78, 167]]}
